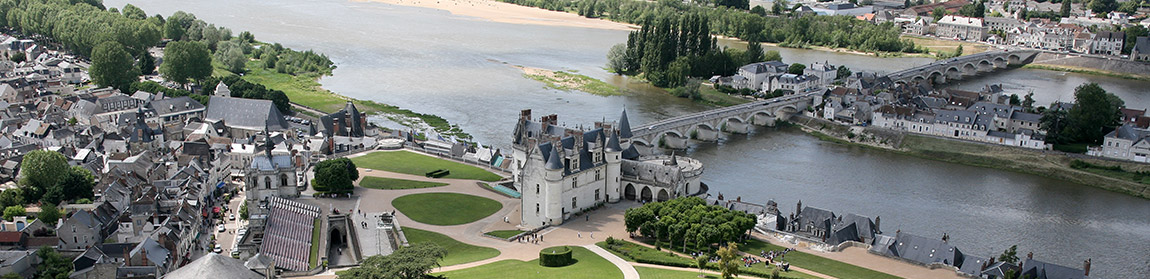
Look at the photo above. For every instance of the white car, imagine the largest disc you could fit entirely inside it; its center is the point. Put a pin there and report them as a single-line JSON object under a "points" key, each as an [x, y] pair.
{"points": [[218, 249], [231, 217], [220, 228]]}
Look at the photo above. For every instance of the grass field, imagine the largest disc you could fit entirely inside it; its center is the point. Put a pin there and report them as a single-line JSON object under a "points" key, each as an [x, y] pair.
{"points": [[504, 234], [659, 273], [385, 183], [587, 266], [571, 81], [445, 209], [714, 97], [936, 45], [313, 259], [419, 164], [305, 90], [815, 263], [638, 253], [457, 252]]}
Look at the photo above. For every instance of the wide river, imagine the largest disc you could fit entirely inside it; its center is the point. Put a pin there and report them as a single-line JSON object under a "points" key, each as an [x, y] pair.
{"points": [[433, 62]]}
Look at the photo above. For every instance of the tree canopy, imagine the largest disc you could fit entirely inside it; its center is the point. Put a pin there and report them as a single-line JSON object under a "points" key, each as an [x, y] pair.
{"points": [[45, 176], [52, 264], [335, 175], [1094, 114], [411, 262], [689, 221], [49, 214], [186, 61], [113, 66]]}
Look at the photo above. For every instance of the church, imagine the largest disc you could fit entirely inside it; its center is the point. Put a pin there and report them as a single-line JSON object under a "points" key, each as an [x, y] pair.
{"points": [[562, 170]]}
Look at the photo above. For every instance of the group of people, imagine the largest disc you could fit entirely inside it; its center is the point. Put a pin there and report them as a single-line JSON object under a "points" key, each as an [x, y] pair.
{"points": [[771, 255], [533, 238]]}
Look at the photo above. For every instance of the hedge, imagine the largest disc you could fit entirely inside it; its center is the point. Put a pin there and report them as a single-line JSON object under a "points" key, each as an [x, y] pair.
{"points": [[555, 256]]}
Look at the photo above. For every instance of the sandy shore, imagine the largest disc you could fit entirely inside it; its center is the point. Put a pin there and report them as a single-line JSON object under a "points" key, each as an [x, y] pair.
{"points": [[510, 13]]}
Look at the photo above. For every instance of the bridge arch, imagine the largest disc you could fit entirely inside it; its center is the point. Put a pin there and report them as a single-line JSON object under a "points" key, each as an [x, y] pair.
{"points": [[969, 69], [985, 65], [1013, 59], [936, 77]]}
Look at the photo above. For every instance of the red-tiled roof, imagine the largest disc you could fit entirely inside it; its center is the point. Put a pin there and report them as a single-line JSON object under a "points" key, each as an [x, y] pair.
{"points": [[10, 237]]}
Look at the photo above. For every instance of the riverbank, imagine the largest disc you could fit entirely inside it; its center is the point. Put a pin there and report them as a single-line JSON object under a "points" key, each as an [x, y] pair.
{"points": [[305, 90], [509, 13], [1050, 164], [1087, 71]]}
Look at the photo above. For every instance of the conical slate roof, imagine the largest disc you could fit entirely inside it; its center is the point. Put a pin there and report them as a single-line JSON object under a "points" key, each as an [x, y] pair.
{"points": [[613, 143], [553, 162], [624, 125], [214, 265]]}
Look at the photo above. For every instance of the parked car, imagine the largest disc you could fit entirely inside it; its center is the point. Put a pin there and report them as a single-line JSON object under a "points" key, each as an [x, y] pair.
{"points": [[218, 249], [232, 217], [220, 228]]}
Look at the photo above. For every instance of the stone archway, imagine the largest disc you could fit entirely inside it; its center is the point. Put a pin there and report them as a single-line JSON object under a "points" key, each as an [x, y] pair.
{"points": [[629, 192], [336, 238], [663, 196], [646, 195]]}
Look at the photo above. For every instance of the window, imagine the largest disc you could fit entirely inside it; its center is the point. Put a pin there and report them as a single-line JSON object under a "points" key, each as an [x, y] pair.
{"points": [[536, 189], [596, 194], [573, 207], [536, 209], [267, 182], [597, 174], [574, 182], [283, 180]]}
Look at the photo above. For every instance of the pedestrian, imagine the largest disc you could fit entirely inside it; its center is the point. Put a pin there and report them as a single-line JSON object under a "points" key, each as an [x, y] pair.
{"points": [[592, 235], [588, 218], [580, 234]]}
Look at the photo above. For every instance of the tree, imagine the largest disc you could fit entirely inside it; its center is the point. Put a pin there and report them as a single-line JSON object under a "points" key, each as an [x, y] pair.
{"points": [[772, 55], [635, 217], [938, 13], [729, 260], [1065, 11], [1132, 34], [231, 57], [335, 175], [1054, 121], [759, 10], [173, 29], [701, 261], [1028, 101], [1014, 100], [11, 197], [1103, 6], [134, 12], [796, 68], [843, 72], [755, 52], [17, 57], [185, 61], [49, 214], [113, 66], [147, 64], [958, 51], [1095, 112], [244, 211], [12, 275], [13, 212], [52, 264], [411, 262], [1129, 7], [1010, 255], [40, 170], [617, 58], [77, 184], [280, 99]]}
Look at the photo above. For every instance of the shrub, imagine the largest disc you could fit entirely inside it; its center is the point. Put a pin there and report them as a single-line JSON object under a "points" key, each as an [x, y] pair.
{"points": [[555, 256]]}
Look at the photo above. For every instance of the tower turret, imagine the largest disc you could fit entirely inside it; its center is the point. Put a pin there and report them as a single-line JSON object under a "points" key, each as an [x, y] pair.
{"points": [[553, 189], [613, 156]]}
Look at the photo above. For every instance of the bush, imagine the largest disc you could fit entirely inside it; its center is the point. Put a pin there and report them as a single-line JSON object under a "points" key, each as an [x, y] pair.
{"points": [[555, 256]]}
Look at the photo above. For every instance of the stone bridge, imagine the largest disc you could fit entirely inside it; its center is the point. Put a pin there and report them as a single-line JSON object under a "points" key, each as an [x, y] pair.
{"points": [[708, 125], [964, 66]]}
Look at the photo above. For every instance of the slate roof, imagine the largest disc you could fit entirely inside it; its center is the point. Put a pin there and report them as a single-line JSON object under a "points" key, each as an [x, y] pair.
{"points": [[924, 250], [1128, 132], [1042, 270], [613, 143], [214, 266], [157, 255], [1142, 45], [553, 162], [624, 125], [175, 105], [247, 114], [264, 163]]}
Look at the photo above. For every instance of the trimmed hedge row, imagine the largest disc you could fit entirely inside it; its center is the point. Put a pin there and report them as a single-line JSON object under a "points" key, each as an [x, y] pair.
{"points": [[555, 256]]}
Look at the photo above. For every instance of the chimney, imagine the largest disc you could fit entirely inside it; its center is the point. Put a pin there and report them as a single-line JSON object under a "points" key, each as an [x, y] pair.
{"points": [[336, 127], [1030, 255], [1086, 267]]}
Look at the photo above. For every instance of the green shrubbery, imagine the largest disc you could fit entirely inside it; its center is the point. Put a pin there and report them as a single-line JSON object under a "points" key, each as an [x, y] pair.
{"points": [[555, 256]]}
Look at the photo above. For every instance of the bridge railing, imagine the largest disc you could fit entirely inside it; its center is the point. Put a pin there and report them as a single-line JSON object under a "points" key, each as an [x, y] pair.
{"points": [[715, 114]]}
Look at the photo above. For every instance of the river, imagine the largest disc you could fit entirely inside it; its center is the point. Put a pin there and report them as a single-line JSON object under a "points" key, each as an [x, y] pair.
{"points": [[433, 62]]}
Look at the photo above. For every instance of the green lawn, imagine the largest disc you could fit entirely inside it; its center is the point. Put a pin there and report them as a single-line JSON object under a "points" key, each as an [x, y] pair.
{"points": [[714, 97], [659, 273], [587, 266], [313, 260], [815, 263], [505, 234], [384, 183], [445, 209], [637, 253], [457, 252], [419, 164]]}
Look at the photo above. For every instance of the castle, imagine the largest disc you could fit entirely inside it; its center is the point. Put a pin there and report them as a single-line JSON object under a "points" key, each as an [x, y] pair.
{"points": [[561, 170]]}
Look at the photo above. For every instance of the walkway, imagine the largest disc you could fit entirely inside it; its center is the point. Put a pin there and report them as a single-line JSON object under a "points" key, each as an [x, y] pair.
{"points": [[629, 271]]}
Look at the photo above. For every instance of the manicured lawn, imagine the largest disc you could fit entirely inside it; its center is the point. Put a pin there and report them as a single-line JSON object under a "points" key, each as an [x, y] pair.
{"points": [[643, 254], [504, 233], [659, 273], [457, 252], [815, 263], [588, 265], [384, 183], [445, 209], [419, 164], [313, 260]]}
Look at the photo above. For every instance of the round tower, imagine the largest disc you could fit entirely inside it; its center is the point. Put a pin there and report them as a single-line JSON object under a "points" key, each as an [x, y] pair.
{"points": [[553, 189], [613, 156]]}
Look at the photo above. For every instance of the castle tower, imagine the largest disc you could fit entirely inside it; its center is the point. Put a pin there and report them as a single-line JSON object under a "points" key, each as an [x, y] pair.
{"points": [[554, 189], [613, 153]]}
